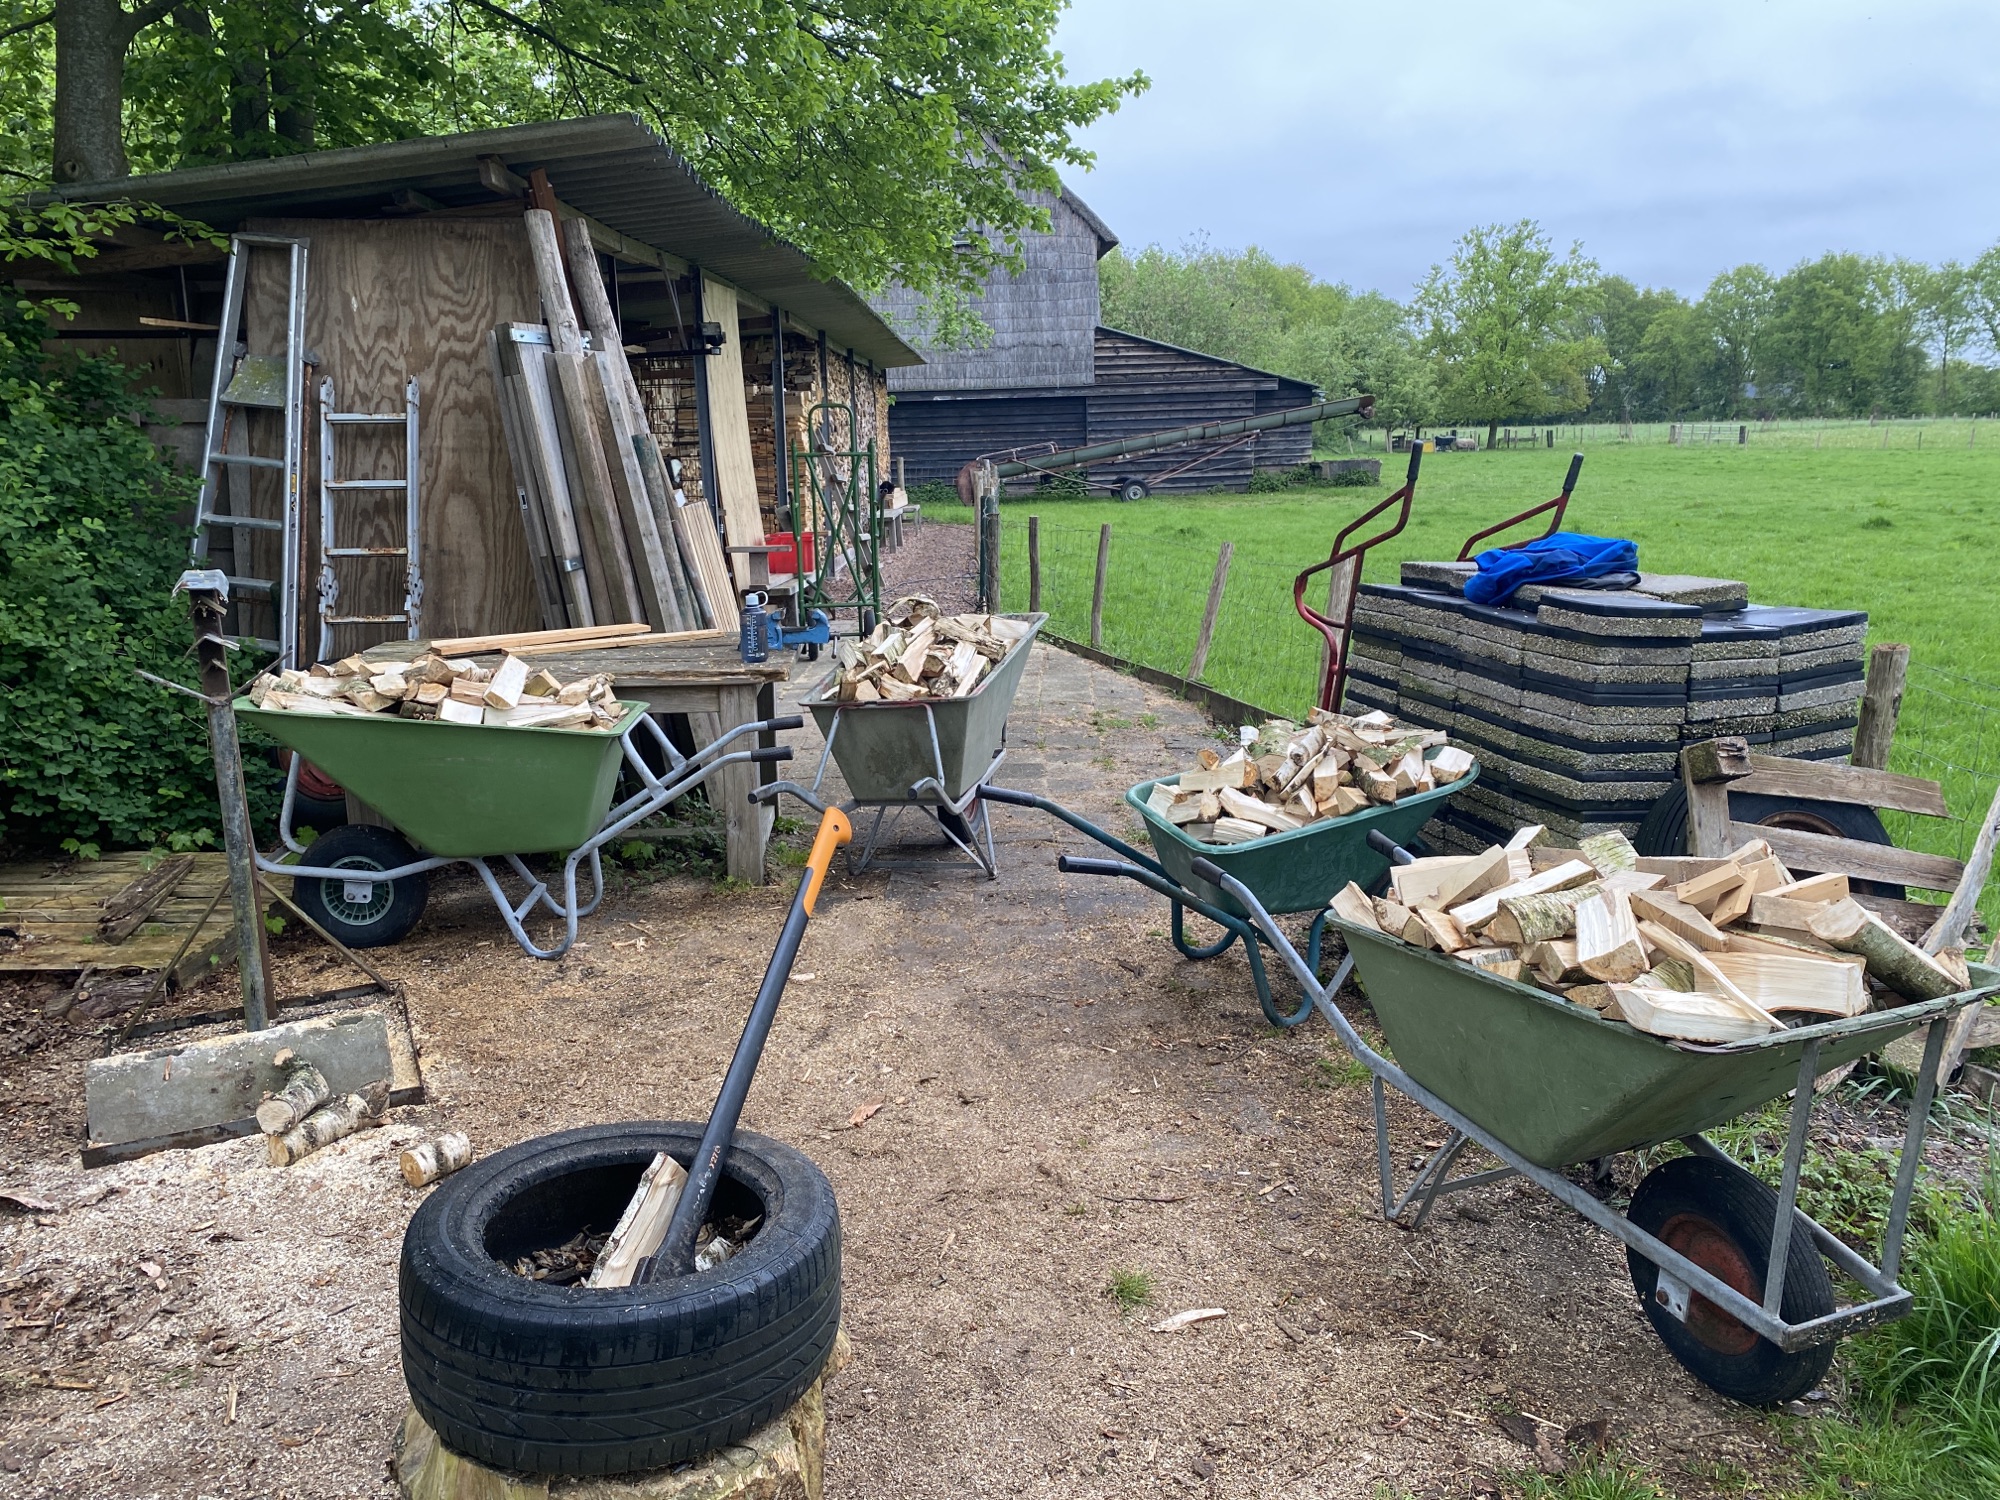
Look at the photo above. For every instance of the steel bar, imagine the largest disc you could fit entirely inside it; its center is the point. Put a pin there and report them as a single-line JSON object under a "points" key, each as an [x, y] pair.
{"points": [[1071, 458]]}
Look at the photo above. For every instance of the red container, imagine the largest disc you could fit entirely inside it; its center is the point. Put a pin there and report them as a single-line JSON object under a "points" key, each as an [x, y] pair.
{"points": [[787, 559]]}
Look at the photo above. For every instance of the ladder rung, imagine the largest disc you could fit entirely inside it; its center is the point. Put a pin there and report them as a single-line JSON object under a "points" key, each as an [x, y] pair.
{"points": [[365, 619], [252, 523], [366, 484], [397, 418], [254, 460], [251, 585], [366, 551]]}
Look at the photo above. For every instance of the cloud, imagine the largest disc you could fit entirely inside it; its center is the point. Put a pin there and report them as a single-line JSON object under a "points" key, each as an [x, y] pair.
{"points": [[1675, 141]]}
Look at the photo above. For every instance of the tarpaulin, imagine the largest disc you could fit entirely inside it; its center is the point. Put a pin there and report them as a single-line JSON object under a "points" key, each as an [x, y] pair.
{"points": [[1565, 557]]}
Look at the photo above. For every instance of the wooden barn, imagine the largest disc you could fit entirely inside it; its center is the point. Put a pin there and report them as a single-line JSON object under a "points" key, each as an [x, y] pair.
{"points": [[1053, 376], [416, 254]]}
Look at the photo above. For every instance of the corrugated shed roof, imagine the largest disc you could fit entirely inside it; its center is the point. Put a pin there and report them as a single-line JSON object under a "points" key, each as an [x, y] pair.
{"points": [[612, 167]]}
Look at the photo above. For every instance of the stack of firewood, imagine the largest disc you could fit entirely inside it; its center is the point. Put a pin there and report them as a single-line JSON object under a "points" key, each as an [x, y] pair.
{"points": [[1283, 777], [1702, 950], [512, 695], [917, 651]]}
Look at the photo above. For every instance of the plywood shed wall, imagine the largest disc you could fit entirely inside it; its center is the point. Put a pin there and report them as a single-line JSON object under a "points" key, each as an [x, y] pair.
{"points": [[388, 300]]}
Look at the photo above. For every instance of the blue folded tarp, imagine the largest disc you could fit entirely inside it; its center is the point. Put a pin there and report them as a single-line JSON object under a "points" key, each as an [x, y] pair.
{"points": [[1565, 557]]}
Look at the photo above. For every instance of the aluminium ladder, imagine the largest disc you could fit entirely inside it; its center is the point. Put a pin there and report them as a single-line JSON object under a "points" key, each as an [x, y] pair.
{"points": [[330, 421], [246, 382]]}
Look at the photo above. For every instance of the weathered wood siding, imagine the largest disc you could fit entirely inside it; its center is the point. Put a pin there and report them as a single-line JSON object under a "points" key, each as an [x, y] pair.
{"points": [[1042, 319]]}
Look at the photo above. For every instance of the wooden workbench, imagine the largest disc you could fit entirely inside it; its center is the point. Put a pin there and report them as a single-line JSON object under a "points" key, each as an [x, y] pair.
{"points": [[707, 680]]}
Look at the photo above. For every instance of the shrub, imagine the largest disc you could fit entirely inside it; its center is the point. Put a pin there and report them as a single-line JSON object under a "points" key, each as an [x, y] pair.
{"points": [[934, 492], [90, 753], [1354, 479]]}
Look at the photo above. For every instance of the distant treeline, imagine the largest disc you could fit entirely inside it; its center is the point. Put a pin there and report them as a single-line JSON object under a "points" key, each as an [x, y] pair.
{"points": [[1509, 331]]}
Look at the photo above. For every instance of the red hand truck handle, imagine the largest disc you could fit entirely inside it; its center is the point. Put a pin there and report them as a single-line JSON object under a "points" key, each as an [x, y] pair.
{"points": [[1558, 505], [1336, 632]]}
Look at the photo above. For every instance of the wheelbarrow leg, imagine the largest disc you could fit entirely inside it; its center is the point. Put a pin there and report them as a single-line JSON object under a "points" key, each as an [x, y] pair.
{"points": [[1187, 949]]}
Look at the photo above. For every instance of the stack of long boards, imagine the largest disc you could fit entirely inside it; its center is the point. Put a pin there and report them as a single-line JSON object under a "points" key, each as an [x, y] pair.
{"points": [[613, 539], [1577, 702]]}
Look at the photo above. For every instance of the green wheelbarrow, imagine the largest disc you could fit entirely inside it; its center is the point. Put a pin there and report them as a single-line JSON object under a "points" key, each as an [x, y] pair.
{"points": [[469, 794], [1290, 872], [1732, 1277]]}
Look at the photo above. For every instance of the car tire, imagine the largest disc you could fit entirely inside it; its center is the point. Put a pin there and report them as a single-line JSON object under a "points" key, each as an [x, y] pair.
{"points": [[1664, 831], [547, 1379], [391, 907]]}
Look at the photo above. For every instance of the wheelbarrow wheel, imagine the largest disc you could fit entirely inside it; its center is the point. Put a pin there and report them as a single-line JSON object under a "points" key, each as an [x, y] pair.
{"points": [[554, 1379], [1720, 1217], [388, 910]]}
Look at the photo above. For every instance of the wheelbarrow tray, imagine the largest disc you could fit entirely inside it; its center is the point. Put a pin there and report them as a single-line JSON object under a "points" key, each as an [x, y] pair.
{"points": [[461, 791], [1296, 871], [884, 749], [1561, 1084]]}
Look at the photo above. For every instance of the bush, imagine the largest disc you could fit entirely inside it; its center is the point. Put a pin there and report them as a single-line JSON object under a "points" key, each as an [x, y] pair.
{"points": [[1354, 479], [934, 492], [90, 753]]}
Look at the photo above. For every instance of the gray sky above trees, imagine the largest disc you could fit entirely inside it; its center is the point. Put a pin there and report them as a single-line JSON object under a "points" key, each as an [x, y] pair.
{"points": [[1675, 140]]}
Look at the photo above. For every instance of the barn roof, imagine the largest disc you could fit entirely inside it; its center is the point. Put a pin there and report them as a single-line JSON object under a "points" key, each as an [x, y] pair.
{"points": [[611, 167], [1106, 240], [1214, 359]]}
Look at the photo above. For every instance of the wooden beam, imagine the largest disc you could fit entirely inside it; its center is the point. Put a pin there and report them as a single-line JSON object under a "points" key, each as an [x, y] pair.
{"points": [[1828, 781], [1881, 703], [1822, 853], [1707, 769], [1950, 929]]}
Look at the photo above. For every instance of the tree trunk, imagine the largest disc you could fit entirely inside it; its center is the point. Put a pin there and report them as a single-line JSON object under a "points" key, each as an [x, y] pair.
{"points": [[1492, 434], [91, 40]]}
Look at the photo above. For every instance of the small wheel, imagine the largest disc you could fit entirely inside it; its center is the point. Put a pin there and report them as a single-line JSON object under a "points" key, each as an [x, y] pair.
{"points": [[1134, 489], [372, 917], [1720, 1217], [318, 802]]}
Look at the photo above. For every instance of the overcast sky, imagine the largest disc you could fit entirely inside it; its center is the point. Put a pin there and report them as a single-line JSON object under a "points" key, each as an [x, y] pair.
{"points": [[1674, 140]]}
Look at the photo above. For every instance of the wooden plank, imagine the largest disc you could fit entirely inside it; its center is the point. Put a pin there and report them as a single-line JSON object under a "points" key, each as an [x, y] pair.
{"points": [[592, 490], [1823, 854], [575, 636], [136, 1096], [1707, 800], [635, 509], [527, 491], [543, 433], [729, 428], [57, 915], [1952, 925], [1881, 703], [128, 909], [1827, 781]]}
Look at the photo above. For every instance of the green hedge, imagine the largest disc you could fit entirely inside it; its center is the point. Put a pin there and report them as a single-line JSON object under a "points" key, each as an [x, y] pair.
{"points": [[91, 755]]}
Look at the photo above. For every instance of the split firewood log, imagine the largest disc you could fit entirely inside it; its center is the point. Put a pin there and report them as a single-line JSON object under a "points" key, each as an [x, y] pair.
{"points": [[427, 1161], [329, 1123]]}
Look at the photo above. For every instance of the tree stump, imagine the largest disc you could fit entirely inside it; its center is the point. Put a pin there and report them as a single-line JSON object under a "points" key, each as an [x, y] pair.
{"points": [[783, 1460]]}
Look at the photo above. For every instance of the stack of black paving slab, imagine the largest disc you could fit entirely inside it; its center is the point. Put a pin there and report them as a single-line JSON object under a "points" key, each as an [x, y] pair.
{"points": [[1577, 701]]}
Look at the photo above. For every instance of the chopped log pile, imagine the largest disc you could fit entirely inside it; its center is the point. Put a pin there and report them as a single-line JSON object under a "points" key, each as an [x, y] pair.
{"points": [[512, 695], [918, 652], [1699, 950], [1283, 777], [301, 1116]]}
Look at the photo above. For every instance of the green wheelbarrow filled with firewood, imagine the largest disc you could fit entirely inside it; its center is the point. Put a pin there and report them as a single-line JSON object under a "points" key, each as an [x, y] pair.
{"points": [[469, 794], [1732, 1277]]}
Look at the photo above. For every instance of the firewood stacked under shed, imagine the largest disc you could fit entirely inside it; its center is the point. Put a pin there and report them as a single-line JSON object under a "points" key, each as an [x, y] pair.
{"points": [[1577, 701]]}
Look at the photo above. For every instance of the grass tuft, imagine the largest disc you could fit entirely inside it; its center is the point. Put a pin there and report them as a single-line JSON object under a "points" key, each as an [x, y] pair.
{"points": [[1603, 1479], [1130, 1289]]}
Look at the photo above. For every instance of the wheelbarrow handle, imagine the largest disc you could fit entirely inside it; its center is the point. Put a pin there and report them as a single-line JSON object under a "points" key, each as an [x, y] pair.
{"points": [[1070, 864], [990, 793], [1208, 870], [1381, 843], [789, 721], [764, 755]]}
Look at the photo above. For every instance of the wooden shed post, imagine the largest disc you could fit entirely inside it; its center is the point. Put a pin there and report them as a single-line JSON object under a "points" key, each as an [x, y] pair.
{"points": [[1097, 588], [780, 453]]}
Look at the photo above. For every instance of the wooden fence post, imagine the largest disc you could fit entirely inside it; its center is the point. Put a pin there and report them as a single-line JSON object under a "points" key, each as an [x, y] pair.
{"points": [[1097, 589], [1034, 564], [1881, 702], [1207, 636], [989, 550], [1706, 771]]}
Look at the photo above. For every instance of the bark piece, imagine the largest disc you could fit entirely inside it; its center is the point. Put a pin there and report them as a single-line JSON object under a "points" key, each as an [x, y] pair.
{"points": [[1609, 853], [1523, 921]]}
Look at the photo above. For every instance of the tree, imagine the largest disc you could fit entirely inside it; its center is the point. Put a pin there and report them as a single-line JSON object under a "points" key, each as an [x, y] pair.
{"points": [[1735, 310], [1509, 325], [870, 134], [1944, 317]]}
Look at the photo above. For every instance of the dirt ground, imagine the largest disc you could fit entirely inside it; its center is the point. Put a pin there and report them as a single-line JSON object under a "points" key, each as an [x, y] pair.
{"points": [[1061, 1098]]}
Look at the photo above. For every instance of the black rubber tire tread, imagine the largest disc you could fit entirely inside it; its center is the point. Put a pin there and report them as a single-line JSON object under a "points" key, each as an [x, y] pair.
{"points": [[321, 814], [546, 1379], [1744, 1208], [382, 849]]}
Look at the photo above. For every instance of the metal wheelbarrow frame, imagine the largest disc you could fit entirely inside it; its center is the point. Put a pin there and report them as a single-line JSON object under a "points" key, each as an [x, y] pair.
{"points": [[656, 790], [1680, 1282]]}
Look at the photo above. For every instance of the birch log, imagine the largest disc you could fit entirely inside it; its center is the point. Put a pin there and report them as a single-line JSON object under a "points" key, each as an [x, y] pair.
{"points": [[329, 1123], [427, 1161], [1901, 965], [1523, 921], [305, 1090]]}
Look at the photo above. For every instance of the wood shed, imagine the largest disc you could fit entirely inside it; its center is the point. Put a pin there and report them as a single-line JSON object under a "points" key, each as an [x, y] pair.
{"points": [[416, 251], [1053, 376]]}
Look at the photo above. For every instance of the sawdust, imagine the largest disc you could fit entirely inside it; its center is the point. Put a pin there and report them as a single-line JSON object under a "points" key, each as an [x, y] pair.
{"points": [[1062, 1097]]}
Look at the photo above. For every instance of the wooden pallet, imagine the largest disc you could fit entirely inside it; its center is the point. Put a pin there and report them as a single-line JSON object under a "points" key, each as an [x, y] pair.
{"points": [[49, 915]]}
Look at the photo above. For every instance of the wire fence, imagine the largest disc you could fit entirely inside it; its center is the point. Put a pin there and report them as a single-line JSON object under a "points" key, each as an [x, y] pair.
{"points": [[1156, 589], [1831, 433]]}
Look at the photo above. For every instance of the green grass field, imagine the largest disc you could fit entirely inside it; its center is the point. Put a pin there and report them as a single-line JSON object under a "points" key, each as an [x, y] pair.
{"points": [[1897, 531]]}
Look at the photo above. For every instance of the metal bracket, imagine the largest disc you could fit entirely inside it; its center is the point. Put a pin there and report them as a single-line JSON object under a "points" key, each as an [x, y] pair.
{"points": [[1672, 1294]]}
